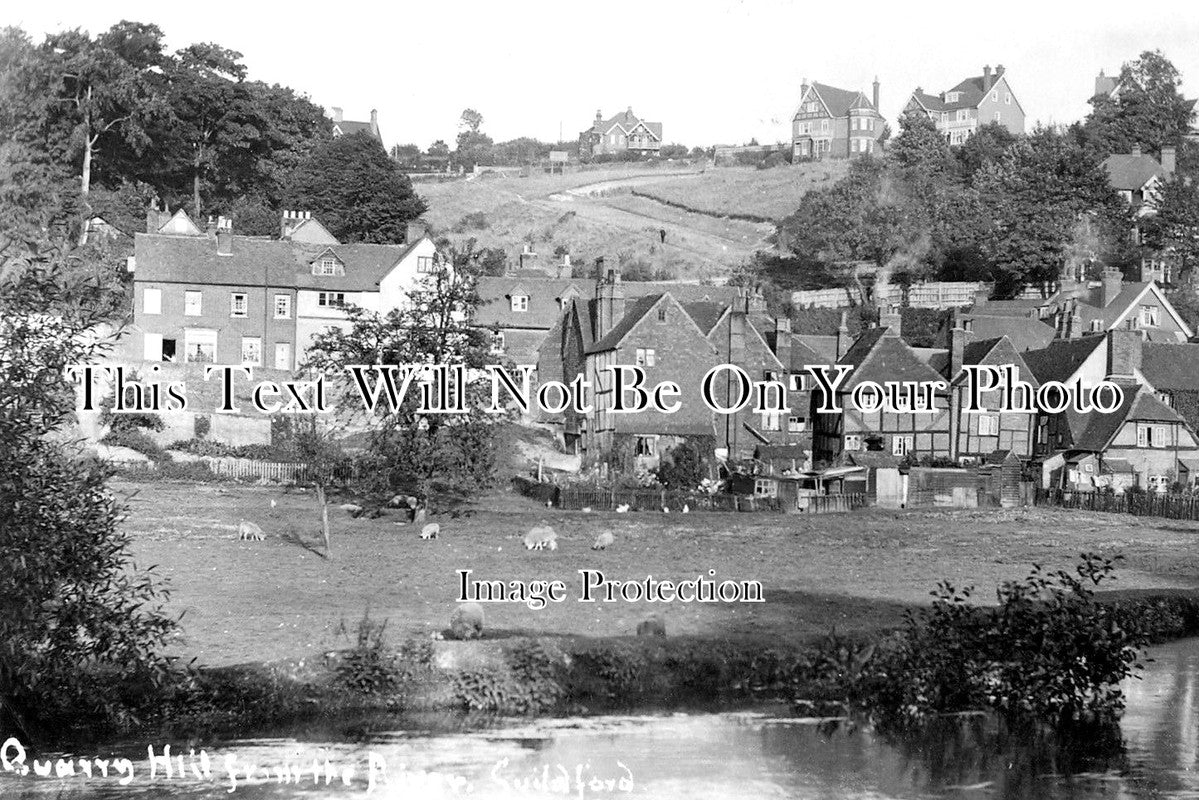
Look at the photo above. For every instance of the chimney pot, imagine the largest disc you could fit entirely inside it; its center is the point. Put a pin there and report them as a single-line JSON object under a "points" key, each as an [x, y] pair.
{"points": [[1169, 160]]}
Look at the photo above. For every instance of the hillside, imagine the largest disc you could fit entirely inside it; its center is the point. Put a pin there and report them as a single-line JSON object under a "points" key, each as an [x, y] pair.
{"points": [[608, 213]]}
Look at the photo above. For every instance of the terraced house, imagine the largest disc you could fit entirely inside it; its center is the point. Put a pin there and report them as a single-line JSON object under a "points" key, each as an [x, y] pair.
{"points": [[625, 132], [217, 297], [982, 99], [835, 123]]}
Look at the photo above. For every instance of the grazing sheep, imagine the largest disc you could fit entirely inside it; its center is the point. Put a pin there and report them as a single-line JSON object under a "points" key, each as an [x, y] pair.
{"points": [[541, 537], [665, 510], [685, 508], [430, 531], [622, 508], [248, 531], [467, 621], [401, 500], [351, 508], [603, 540], [274, 502], [651, 626], [586, 509]]}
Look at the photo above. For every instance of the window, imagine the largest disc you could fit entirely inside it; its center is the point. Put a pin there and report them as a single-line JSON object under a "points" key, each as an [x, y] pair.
{"points": [[796, 424], [1159, 483], [497, 342], [662, 314], [994, 95], [646, 446], [331, 299], [645, 356], [824, 125], [152, 301], [1008, 98], [1149, 316], [237, 304], [995, 116], [764, 487], [282, 306], [901, 445], [425, 264], [325, 266], [799, 381], [520, 302], [251, 350], [1151, 435], [772, 421], [199, 346], [191, 303], [963, 115], [988, 425], [952, 97], [282, 355], [1166, 397], [853, 443]]}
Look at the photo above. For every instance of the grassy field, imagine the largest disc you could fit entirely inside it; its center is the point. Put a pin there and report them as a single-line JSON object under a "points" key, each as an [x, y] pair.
{"points": [[551, 212], [249, 601], [767, 193]]}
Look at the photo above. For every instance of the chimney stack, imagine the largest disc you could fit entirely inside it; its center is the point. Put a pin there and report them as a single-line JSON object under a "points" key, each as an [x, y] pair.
{"points": [[999, 72], [803, 87], [891, 320], [782, 342], [374, 118], [414, 231], [1074, 325], [1124, 350], [981, 296], [336, 114], [1169, 160], [224, 236], [843, 340], [957, 348], [1113, 281], [610, 300], [876, 93], [1136, 149], [988, 81]]}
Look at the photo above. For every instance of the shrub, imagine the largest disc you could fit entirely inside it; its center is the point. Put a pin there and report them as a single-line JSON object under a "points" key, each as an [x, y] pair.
{"points": [[203, 426], [138, 440], [368, 668], [683, 468], [474, 221], [1048, 653]]}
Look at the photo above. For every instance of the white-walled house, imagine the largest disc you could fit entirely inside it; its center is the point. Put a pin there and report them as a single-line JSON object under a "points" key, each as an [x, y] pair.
{"points": [[223, 298]]}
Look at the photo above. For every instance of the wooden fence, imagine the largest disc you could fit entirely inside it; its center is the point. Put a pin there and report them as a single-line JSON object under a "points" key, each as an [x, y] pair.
{"points": [[832, 503], [240, 469], [1141, 504]]}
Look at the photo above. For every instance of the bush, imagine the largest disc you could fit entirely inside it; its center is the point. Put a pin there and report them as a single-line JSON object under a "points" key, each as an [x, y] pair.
{"points": [[136, 439], [474, 221], [368, 668], [1048, 653]]}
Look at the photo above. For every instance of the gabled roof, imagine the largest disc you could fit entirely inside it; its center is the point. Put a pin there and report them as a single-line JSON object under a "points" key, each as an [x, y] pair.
{"points": [[311, 231], [626, 121], [838, 102], [971, 92], [1062, 357], [1101, 427], [705, 313], [875, 356], [633, 314], [262, 262], [1129, 172], [347, 128], [180, 224], [1171, 367], [997, 351], [1023, 333]]}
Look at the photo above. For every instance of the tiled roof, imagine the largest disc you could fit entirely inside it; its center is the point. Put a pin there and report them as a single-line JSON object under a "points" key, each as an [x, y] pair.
{"points": [[626, 120], [633, 314], [1128, 172], [1061, 358], [972, 93], [1089, 309], [545, 295], [824, 347], [878, 357], [347, 127], [1024, 334], [261, 262], [929, 101], [1171, 367], [839, 101], [705, 313], [1101, 427]]}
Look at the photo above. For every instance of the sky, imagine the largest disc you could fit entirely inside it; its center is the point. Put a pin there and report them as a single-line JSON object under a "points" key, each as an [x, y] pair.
{"points": [[711, 71]]}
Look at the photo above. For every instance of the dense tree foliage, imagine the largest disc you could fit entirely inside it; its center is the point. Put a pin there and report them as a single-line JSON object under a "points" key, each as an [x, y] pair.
{"points": [[356, 190], [1147, 111]]}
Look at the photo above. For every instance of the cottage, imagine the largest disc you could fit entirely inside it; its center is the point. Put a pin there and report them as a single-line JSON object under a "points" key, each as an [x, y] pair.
{"points": [[623, 133]]}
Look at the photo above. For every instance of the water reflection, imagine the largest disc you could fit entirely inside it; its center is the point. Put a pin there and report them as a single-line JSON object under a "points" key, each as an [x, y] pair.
{"points": [[764, 753]]}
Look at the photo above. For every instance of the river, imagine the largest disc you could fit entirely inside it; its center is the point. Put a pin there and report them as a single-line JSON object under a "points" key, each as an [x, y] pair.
{"points": [[764, 753]]}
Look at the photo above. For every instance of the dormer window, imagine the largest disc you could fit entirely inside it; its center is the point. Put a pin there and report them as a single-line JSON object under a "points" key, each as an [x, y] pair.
{"points": [[326, 266], [520, 302], [952, 97]]}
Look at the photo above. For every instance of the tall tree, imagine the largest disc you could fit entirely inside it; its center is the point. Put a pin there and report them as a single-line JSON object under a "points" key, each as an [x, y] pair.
{"points": [[1148, 111], [1174, 229], [356, 190], [473, 146], [99, 94]]}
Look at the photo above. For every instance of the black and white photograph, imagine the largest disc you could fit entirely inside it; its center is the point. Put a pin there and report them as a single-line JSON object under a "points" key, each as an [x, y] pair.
{"points": [[719, 400]]}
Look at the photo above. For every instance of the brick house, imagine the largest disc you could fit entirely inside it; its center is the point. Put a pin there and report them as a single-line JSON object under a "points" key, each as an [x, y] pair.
{"points": [[1172, 371], [624, 132], [835, 123], [1138, 177], [975, 101], [229, 299], [880, 354], [1079, 310]]}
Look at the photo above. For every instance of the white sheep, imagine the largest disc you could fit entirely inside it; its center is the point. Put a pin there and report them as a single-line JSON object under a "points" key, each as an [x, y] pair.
{"points": [[430, 531], [603, 540], [622, 508], [248, 531], [541, 537]]}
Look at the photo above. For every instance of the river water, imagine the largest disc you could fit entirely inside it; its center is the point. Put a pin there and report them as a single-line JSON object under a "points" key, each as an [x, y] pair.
{"points": [[764, 753]]}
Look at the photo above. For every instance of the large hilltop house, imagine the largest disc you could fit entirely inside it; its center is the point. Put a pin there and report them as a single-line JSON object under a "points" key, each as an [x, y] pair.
{"points": [[975, 101], [622, 133], [1108, 87], [345, 127], [217, 297], [835, 123]]}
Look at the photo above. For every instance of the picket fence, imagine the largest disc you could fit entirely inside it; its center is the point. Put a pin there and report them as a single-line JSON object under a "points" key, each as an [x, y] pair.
{"points": [[598, 499], [1141, 504]]}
